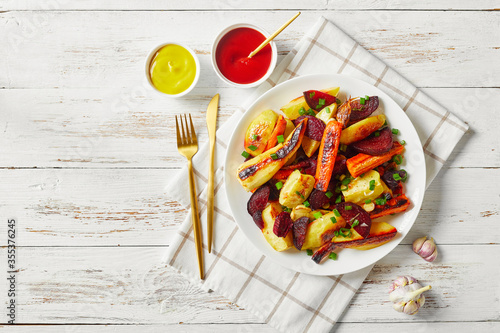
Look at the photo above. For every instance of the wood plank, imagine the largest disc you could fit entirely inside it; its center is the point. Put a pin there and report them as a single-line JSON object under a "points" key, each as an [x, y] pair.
{"points": [[118, 207], [245, 5], [129, 285], [95, 128], [110, 52], [432, 327]]}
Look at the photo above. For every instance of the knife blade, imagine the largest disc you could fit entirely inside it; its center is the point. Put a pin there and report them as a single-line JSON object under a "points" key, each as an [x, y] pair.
{"points": [[212, 127]]}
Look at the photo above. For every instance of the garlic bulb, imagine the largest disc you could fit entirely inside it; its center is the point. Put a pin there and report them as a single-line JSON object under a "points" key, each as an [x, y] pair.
{"points": [[406, 294], [426, 248]]}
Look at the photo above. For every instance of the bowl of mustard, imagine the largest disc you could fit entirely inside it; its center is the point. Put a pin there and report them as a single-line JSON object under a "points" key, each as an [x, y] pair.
{"points": [[172, 69]]}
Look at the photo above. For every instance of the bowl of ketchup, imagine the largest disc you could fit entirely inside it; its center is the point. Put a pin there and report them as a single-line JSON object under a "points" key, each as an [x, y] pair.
{"points": [[230, 52]]}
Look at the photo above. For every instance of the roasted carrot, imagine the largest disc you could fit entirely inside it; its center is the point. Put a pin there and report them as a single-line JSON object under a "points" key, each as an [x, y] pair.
{"points": [[282, 174], [395, 205], [362, 163], [279, 129], [327, 154]]}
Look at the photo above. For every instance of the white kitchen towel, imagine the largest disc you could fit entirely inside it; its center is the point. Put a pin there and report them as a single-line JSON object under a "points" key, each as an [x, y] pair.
{"points": [[287, 300]]}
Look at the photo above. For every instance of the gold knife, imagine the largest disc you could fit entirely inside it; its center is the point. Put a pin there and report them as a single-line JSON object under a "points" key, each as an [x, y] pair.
{"points": [[212, 127]]}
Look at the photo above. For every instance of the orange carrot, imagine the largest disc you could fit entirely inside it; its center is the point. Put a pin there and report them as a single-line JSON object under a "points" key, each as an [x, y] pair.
{"points": [[282, 174], [362, 163], [395, 205], [279, 129], [327, 154]]}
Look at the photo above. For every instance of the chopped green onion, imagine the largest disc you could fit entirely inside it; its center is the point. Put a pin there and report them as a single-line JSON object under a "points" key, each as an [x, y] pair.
{"points": [[355, 223], [344, 187], [327, 110], [362, 101], [274, 156], [385, 123], [377, 133], [398, 159], [333, 256], [336, 212], [329, 194], [362, 175], [299, 194], [317, 215], [311, 95], [286, 209], [254, 136], [343, 147], [245, 154], [306, 203], [338, 200], [309, 252], [367, 201], [336, 233], [321, 101], [279, 185], [338, 101], [396, 176], [372, 184], [311, 112], [348, 207], [302, 111], [403, 142], [405, 176], [346, 181], [333, 219], [337, 190], [395, 131], [252, 148], [367, 98], [381, 201], [281, 139]]}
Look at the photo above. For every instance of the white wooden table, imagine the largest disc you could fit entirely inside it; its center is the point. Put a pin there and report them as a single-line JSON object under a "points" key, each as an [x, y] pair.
{"points": [[86, 149]]}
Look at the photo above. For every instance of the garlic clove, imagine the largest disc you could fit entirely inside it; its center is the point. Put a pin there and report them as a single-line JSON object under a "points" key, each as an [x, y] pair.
{"points": [[425, 248], [411, 308], [417, 244], [399, 306]]}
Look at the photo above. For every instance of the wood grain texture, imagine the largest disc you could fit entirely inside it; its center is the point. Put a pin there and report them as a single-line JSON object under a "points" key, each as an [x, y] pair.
{"points": [[110, 52], [336, 5], [129, 285], [118, 207], [81, 127]]}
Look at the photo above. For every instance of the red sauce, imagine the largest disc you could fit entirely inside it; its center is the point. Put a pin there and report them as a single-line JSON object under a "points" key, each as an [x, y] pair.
{"points": [[232, 53]]}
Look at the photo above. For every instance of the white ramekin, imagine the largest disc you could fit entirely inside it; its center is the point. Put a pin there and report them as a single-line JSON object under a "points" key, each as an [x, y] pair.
{"points": [[274, 57], [148, 66]]}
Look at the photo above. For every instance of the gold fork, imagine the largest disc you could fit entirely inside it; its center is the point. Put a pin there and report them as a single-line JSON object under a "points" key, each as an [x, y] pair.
{"points": [[187, 144]]}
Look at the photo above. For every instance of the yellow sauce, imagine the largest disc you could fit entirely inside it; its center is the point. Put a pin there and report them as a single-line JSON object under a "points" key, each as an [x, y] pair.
{"points": [[172, 69]]}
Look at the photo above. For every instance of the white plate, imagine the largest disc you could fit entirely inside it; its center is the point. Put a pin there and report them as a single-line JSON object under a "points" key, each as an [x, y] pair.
{"points": [[349, 260]]}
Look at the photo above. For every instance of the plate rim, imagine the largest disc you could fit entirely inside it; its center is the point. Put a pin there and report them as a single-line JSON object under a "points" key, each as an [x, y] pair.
{"points": [[419, 149]]}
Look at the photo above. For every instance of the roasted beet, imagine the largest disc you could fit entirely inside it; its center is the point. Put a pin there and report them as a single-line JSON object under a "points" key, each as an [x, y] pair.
{"points": [[375, 144], [315, 127], [257, 218], [323, 252], [283, 224], [318, 199], [351, 212], [299, 231], [340, 166], [388, 178], [361, 111], [258, 200], [311, 169], [313, 99]]}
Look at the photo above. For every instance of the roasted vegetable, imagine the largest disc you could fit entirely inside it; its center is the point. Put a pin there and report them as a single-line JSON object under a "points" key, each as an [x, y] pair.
{"points": [[356, 217], [296, 189], [378, 143], [315, 127], [317, 100], [291, 110], [365, 187], [269, 216], [310, 146], [361, 111], [258, 170], [327, 113], [299, 232], [259, 132], [279, 129], [397, 204], [327, 154], [361, 129], [362, 163], [322, 230]]}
